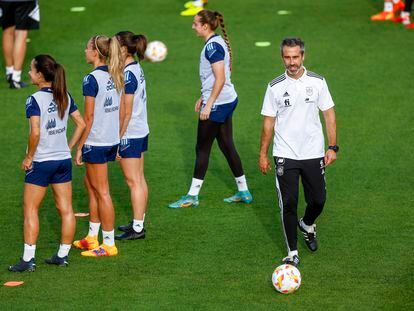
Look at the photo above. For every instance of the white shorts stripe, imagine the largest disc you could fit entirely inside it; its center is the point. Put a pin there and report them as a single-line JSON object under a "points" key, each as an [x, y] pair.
{"points": [[279, 194]]}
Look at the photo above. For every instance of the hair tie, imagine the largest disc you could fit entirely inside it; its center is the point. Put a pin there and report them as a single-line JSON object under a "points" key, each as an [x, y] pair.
{"points": [[96, 46]]}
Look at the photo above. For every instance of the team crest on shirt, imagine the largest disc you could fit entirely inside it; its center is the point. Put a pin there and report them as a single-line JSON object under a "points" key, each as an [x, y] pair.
{"points": [[309, 91]]}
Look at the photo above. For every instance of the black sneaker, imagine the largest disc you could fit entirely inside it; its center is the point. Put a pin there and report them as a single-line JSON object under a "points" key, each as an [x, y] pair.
{"points": [[291, 260], [131, 235], [56, 260], [24, 266], [8, 77], [17, 84], [126, 228], [310, 237]]}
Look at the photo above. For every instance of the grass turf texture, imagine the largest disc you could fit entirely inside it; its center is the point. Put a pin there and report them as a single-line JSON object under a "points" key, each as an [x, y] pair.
{"points": [[221, 256]]}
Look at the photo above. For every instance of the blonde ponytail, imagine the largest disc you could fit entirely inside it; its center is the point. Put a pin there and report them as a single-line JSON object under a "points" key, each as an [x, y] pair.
{"points": [[116, 63]]}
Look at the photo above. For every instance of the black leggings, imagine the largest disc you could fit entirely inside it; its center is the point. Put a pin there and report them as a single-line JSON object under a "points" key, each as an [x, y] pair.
{"points": [[208, 131], [408, 5]]}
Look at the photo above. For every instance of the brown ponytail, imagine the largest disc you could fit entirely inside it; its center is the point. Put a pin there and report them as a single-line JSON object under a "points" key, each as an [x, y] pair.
{"points": [[215, 19], [54, 72], [135, 44]]}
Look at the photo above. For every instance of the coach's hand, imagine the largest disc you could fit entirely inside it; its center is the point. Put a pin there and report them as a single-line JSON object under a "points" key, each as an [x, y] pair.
{"points": [[197, 105], [330, 157], [27, 163], [78, 157], [205, 113], [264, 164]]}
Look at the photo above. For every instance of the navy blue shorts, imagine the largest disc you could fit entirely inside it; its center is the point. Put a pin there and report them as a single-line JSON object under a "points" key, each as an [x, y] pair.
{"points": [[221, 113], [133, 147], [49, 172], [99, 154]]}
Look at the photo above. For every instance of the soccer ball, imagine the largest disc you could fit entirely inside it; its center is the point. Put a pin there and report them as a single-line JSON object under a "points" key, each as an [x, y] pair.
{"points": [[286, 279], [156, 51]]}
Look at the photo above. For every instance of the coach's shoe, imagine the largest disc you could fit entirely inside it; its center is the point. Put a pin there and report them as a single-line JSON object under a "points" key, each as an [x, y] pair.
{"points": [[240, 196], [131, 235], [291, 260], [192, 11], [126, 228], [17, 84], [90, 242], [58, 261], [309, 235], [101, 251], [383, 16], [22, 266], [185, 201]]}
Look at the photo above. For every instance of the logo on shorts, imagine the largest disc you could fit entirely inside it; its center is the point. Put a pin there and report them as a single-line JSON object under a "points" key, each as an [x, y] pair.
{"points": [[280, 170], [51, 124], [309, 91], [52, 108]]}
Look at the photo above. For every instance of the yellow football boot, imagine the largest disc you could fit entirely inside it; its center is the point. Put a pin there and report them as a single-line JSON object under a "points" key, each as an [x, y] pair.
{"points": [[101, 251], [89, 242]]}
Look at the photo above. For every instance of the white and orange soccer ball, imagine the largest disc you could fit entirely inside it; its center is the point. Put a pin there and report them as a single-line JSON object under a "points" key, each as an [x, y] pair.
{"points": [[286, 279], [156, 51]]}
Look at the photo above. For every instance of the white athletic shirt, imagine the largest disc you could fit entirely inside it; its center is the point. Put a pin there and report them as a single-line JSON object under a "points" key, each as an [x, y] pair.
{"points": [[53, 144], [135, 84], [105, 127], [215, 49], [296, 105]]}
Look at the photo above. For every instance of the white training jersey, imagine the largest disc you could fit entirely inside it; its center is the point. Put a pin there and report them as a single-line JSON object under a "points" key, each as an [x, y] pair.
{"points": [[215, 49], [135, 85], [105, 127], [53, 144], [296, 104]]}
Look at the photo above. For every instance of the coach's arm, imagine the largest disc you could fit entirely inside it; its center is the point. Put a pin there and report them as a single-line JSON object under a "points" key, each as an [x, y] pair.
{"points": [[330, 122], [267, 134]]}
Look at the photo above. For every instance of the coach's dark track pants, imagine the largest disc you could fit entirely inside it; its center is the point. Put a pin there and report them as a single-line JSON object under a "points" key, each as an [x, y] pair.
{"points": [[312, 173]]}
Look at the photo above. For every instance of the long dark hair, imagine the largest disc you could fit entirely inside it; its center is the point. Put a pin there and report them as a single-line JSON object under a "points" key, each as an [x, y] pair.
{"points": [[135, 44], [55, 73]]}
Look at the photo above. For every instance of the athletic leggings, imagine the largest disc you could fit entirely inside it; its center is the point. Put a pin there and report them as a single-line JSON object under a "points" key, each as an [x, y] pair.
{"points": [[208, 131], [408, 5]]}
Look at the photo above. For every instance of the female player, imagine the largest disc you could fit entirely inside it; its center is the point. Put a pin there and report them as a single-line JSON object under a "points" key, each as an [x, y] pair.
{"points": [[216, 106], [134, 132], [99, 142], [48, 159]]}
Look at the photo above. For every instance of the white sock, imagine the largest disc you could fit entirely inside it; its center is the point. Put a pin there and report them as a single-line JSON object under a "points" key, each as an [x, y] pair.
{"points": [[406, 17], [388, 7], [29, 252], [17, 75], [108, 237], [9, 70], [63, 250], [241, 183], [292, 253], [306, 227], [94, 228], [195, 186], [198, 3], [138, 225]]}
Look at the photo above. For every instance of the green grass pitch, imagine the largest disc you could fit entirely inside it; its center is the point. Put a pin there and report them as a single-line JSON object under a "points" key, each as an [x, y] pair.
{"points": [[220, 257]]}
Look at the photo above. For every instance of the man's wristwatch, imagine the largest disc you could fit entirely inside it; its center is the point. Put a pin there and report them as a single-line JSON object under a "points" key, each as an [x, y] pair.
{"points": [[334, 148]]}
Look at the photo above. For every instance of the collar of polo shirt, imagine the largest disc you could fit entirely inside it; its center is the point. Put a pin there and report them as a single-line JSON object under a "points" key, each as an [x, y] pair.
{"points": [[302, 77]]}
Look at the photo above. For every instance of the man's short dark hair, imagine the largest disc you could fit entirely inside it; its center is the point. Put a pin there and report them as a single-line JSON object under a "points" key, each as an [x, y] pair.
{"points": [[292, 42]]}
